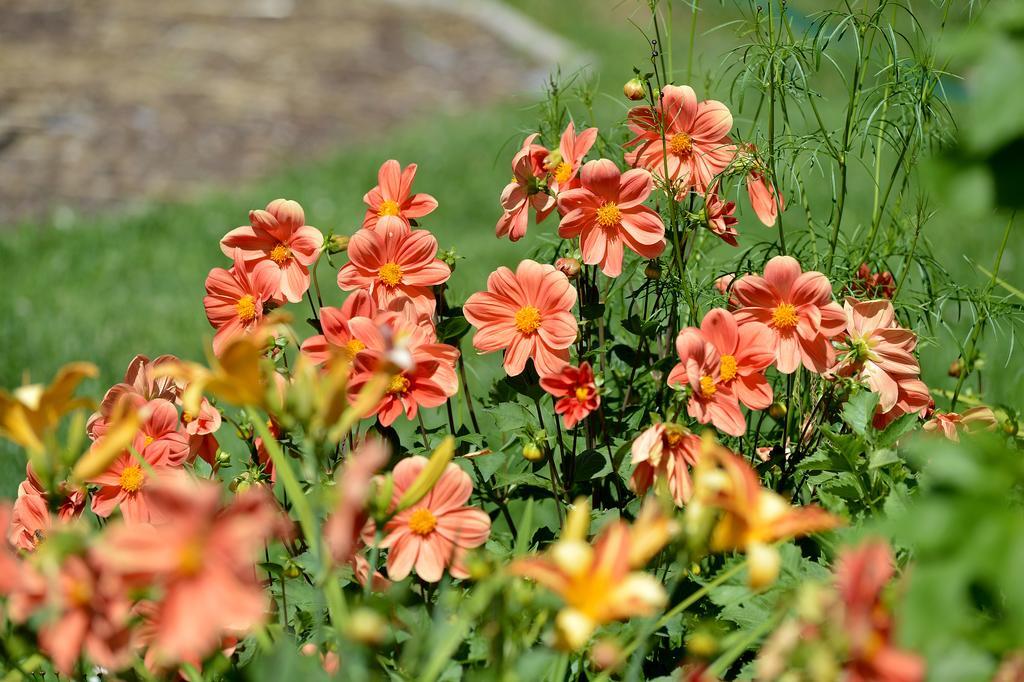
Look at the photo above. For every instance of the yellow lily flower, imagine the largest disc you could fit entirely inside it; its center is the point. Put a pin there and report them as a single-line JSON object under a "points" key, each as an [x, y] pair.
{"points": [[31, 412]]}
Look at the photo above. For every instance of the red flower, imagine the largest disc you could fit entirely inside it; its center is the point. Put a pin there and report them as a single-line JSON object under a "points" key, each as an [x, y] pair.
{"points": [[576, 392]]}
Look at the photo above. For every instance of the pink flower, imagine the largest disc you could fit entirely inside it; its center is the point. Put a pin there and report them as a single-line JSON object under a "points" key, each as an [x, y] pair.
{"points": [[565, 163], [607, 212], [235, 298], [278, 236], [950, 424], [719, 218], [202, 561], [576, 393], [695, 147], [711, 399], [160, 438], [337, 339], [526, 314], [798, 308], [428, 383], [663, 454], [200, 428], [435, 533], [31, 521], [880, 353], [391, 205], [140, 385], [760, 191], [389, 266], [525, 191]]}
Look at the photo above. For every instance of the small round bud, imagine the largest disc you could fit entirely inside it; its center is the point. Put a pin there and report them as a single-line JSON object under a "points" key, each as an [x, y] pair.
{"points": [[223, 458], [532, 452], [338, 244], [366, 627], [606, 654], [653, 270], [292, 571], [1010, 427], [309, 649], [633, 89], [570, 267], [702, 643], [956, 368], [777, 411]]}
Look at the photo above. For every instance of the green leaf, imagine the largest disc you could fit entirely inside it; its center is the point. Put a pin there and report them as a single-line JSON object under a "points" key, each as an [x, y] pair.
{"points": [[452, 329], [858, 412], [882, 457]]}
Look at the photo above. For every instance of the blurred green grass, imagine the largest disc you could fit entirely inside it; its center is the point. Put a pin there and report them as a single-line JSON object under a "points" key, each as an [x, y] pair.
{"points": [[106, 288]]}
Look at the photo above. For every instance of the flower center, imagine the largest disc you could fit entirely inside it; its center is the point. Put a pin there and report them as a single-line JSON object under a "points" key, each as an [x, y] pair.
{"points": [[190, 559], [246, 308], [563, 172], [707, 386], [528, 319], [388, 207], [186, 417], [149, 441], [79, 592], [399, 385], [422, 521], [680, 144], [785, 316], [131, 479], [353, 347], [390, 274], [608, 215], [280, 253], [861, 349], [727, 367], [674, 434], [582, 394]]}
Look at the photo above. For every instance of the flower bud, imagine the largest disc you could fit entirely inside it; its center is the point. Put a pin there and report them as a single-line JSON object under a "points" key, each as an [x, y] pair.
{"points": [[223, 458], [633, 89], [449, 257], [606, 654], [366, 627], [653, 270], [763, 564], [777, 411], [338, 244], [291, 570], [532, 452], [956, 368], [702, 644], [570, 267]]}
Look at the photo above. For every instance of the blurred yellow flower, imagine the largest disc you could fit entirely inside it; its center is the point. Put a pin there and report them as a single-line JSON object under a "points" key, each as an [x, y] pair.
{"points": [[31, 412]]}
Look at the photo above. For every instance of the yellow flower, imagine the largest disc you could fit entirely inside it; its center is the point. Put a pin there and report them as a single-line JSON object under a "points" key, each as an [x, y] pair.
{"points": [[32, 412], [598, 582], [124, 423]]}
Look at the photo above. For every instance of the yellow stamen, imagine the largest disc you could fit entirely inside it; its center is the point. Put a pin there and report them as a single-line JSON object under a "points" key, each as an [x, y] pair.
{"points": [[527, 319], [674, 434], [246, 308], [149, 440], [582, 394], [399, 385], [388, 207], [186, 417], [785, 316], [353, 347], [680, 144], [608, 215], [131, 478], [422, 521], [390, 274], [727, 367], [562, 172], [280, 253], [707, 386]]}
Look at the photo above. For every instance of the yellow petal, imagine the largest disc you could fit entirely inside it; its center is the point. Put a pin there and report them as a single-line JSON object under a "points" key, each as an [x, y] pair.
{"points": [[439, 460]]}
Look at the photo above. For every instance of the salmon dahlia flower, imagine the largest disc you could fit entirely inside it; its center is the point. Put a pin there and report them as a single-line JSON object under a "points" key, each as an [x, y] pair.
{"points": [[528, 315], [764, 199], [390, 266], [391, 203], [575, 392], [798, 308], [564, 163], [683, 137], [719, 218], [235, 298], [527, 190], [279, 236], [951, 424], [31, 520], [141, 384], [663, 454], [607, 213], [435, 533], [336, 338], [711, 398]]}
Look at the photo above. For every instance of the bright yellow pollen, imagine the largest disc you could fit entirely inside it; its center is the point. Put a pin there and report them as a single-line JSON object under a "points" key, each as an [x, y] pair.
{"points": [[785, 315], [353, 347], [674, 434], [608, 215], [246, 308], [727, 367], [390, 274], [186, 417], [707, 386], [422, 521], [149, 440], [388, 207], [582, 394], [131, 478], [680, 144], [528, 319], [399, 385], [280, 253], [562, 172]]}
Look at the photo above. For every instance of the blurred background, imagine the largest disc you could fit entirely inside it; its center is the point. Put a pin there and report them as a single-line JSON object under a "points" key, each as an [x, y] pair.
{"points": [[134, 135]]}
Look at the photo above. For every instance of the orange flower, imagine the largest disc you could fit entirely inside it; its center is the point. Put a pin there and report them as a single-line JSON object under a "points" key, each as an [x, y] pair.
{"points": [[235, 299], [951, 424], [337, 339], [31, 520], [576, 393], [526, 314], [599, 583], [391, 203], [663, 454]]}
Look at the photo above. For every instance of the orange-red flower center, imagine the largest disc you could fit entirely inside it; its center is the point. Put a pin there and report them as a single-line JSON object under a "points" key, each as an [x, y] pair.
{"points": [[562, 172], [707, 386], [680, 144], [608, 215], [399, 385], [674, 434], [422, 521], [527, 319], [280, 253], [131, 478], [390, 274], [246, 308], [784, 316], [727, 367], [388, 207]]}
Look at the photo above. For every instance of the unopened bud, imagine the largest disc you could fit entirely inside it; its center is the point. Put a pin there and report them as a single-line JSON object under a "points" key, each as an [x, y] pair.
{"points": [[570, 267], [223, 458], [532, 452], [777, 411], [653, 270], [606, 654], [338, 244], [633, 89], [956, 368], [291, 570], [366, 627], [702, 644], [449, 257], [763, 564]]}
